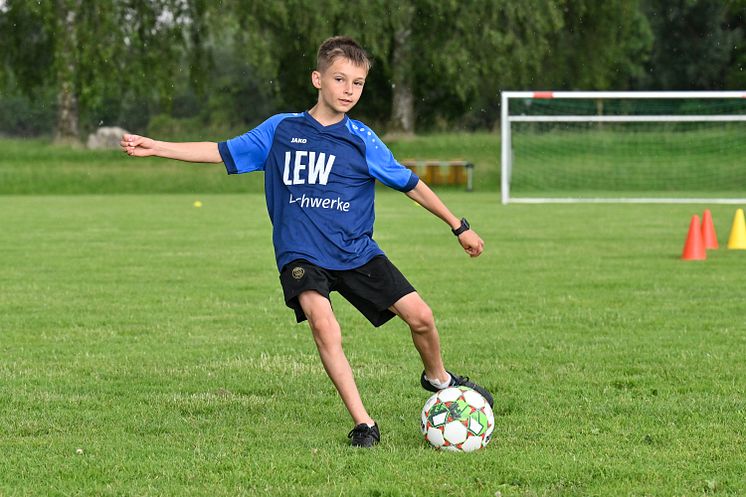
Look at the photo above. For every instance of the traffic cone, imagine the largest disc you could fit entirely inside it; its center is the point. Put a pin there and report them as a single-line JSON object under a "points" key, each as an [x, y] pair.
{"points": [[737, 240], [694, 248], [709, 237]]}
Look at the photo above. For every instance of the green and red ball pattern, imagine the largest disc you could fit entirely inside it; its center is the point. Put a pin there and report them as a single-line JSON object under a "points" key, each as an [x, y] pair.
{"points": [[457, 419]]}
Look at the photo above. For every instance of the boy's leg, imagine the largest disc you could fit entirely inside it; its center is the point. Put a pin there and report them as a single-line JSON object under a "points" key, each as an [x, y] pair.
{"points": [[328, 337], [417, 314]]}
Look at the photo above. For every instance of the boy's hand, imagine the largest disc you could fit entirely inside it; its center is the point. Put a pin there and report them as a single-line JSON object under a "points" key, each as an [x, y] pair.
{"points": [[137, 146], [472, 243]]}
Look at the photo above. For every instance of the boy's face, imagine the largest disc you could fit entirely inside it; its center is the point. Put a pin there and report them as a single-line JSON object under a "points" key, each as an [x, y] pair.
{"points": [[340, 85]]}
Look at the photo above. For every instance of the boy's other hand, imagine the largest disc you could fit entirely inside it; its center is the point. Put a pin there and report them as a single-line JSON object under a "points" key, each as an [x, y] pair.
{"points": [[137, 146], [472, 243]]}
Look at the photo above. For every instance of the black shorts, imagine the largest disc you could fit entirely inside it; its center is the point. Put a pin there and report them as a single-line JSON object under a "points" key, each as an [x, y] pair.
{"points": [[372, 288]]}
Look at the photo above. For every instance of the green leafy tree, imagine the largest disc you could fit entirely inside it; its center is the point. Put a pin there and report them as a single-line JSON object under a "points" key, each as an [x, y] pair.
{"points": [[694, 45], [278, 39], [97, 55], [468, 52], [66, 62], [445, 61], [735, 23], [602, 46], [26, 63], [402, 67], [433, 58]]}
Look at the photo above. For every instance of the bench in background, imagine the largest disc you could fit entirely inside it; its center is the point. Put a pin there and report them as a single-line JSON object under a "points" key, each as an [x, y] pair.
{"points": [[438, 172]]}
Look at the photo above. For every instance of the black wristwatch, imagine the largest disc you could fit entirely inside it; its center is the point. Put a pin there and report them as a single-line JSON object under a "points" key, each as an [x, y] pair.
{"points": [[464, 226]]}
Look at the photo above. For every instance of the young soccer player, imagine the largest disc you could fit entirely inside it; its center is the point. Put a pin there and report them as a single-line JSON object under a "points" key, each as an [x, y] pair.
{"points": [[320, 168]]}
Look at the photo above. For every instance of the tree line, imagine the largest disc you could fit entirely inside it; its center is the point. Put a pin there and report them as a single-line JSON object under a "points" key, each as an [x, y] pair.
{"points": [[69, 66]]}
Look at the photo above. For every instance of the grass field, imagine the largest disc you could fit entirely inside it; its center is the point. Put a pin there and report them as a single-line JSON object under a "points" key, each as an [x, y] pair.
{"points": [[146, 351], [703, 163], [37, 167]]}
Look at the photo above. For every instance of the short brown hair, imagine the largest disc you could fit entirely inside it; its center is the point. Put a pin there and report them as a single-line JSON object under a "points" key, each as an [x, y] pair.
{"points": [[341, 46]]}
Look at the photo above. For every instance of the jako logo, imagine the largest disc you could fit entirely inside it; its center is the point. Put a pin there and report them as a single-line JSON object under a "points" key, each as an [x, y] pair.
{"points": [[298, 140]]}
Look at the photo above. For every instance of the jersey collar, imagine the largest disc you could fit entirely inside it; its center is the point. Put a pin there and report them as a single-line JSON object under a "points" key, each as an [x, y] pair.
{"points": [[318, 125]]}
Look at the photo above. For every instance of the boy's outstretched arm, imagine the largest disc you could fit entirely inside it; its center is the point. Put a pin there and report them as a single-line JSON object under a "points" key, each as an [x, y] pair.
{"points": [[142, 146], [423, 195]]}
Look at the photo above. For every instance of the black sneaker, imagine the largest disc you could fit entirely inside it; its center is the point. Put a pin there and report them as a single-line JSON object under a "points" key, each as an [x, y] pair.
{"points": [[364, 436], [458, 381]]}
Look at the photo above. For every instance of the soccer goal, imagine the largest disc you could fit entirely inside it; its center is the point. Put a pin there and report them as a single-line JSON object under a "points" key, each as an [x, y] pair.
{"points": [[656, 147]]}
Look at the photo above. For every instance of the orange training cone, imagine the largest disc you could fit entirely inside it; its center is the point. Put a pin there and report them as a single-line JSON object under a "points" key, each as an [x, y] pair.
{"points": [[737, 238], [709, 237], [694, 248]]}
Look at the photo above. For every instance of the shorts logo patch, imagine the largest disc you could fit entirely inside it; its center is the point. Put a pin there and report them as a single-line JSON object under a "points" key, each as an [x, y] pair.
{"points": [[298, 272]]}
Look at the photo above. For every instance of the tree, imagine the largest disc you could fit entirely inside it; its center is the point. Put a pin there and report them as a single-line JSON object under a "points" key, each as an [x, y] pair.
{"points": [[402, 65], [96, 54], [66, 67], [602, 46], [437, 63], [434, 60], [26, 64], [735, 23], [468, 52], [693, 44]]}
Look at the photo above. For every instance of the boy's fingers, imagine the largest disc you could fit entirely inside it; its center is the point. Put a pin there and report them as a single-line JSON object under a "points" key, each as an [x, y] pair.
{"points": [[130, 145], [476, 249], [472, 244], [131, 140], [127, 146]]}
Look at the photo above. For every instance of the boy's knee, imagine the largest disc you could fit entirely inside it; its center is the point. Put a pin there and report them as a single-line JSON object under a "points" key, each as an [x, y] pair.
{"points": [[326, 332], [421, 319]]}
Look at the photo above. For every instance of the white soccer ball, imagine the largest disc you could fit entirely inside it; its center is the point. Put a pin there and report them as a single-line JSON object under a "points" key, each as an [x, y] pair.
{"points": [[457, 419]]}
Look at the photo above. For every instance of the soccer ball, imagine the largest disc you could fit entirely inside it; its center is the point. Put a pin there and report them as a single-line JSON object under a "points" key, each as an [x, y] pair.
{"points": [[457, 419]]}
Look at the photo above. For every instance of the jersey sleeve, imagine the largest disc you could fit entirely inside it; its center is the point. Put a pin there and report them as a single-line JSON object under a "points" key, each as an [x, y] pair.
{"points": [[248, 152], [381, 162]]}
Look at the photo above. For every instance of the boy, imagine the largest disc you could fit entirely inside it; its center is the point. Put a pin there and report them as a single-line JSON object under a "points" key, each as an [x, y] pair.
{"points": [[320, 170]]}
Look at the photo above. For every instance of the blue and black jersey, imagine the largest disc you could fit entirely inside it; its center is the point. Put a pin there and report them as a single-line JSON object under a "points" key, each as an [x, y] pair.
{"points": [[319, 185]]}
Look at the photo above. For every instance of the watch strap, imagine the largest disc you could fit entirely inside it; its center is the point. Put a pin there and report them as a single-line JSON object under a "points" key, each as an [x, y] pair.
{"points": [[464, 226]]}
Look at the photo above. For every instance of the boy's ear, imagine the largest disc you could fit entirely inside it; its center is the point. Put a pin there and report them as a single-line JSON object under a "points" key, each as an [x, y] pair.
{"points": [[316, 79]]}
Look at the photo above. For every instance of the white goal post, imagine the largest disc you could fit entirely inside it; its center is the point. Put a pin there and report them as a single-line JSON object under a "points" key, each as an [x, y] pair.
{"points": [[563, 116]]}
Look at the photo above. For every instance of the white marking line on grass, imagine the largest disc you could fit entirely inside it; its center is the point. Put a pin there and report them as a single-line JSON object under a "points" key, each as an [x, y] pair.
{"points": [[628, 119]]}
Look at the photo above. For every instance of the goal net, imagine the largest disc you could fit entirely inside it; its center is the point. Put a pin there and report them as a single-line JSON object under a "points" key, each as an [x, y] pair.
{"points": [[668, 147]]}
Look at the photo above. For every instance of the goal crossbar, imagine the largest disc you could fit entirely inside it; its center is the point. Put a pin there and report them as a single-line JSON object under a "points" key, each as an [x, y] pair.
{"points": [[624, 94]]}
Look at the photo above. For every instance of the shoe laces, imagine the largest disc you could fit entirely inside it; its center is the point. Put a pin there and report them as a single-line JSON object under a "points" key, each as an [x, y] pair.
{"points": [[360, 431], [460, 380]]}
